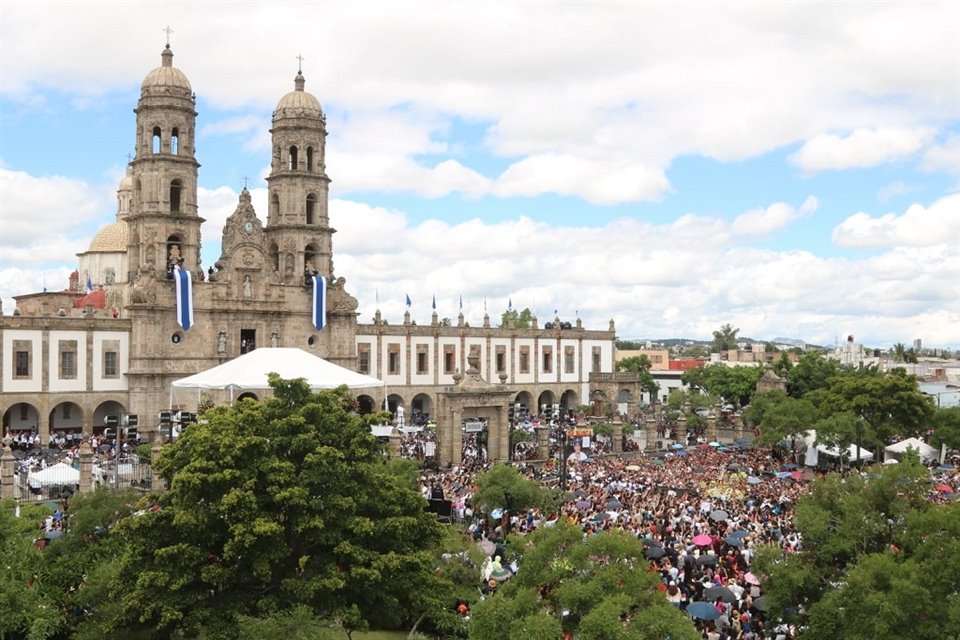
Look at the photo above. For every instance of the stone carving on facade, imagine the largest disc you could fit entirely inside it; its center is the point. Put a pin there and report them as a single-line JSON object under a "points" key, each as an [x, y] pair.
{"points": [[338, 300], [222, 341]]}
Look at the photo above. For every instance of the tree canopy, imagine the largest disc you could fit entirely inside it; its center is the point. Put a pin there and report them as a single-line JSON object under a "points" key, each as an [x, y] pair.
{"points": [[274, 505], [523, 319], [601, 583], [735, 385], [640, 365], [725, 338]]}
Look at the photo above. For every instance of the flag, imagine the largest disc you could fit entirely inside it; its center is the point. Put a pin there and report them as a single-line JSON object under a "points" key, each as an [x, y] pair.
{"points": [[484, 304], [184, 298], [408, 299], [434, 302], [319, 302], [378, 296], [461, 302], [509, 303], [89, 285]]}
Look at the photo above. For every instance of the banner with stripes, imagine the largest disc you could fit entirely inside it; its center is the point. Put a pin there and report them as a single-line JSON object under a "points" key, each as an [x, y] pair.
{"points": [[319, 302], [184, 297]]}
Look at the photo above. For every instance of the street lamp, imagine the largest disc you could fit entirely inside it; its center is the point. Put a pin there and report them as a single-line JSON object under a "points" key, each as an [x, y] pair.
{"points": [[563, 458]]}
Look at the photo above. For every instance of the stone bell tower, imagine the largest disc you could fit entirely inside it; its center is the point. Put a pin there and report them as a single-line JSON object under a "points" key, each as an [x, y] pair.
{"points": [[299, 236], [164, 228]]}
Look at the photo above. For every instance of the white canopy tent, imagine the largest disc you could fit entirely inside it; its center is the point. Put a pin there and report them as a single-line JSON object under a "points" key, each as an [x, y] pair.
{"points": [[926, 452], [58, 474], [249, 373], [850, 453]]}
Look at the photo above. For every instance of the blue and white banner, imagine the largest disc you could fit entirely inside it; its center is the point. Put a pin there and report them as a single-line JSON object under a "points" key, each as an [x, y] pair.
{"points": [[319, 302], [184, 297]]}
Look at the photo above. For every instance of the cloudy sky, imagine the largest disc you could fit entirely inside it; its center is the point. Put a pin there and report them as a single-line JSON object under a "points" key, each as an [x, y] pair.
{"points": [[789, 168]]}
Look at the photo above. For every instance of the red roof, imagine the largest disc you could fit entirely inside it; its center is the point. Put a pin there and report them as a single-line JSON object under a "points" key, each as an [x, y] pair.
{"points": [[96, 298]]}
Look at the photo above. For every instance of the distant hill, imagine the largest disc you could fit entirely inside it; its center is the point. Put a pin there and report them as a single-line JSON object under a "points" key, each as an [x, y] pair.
{"points": [[673, 342]]}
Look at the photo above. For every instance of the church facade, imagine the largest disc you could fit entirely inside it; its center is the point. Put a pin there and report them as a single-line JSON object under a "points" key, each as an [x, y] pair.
{"points": [[67, 360]]}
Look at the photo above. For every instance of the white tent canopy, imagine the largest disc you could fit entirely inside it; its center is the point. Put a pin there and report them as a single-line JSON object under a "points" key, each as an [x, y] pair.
{"points": [[850, 453], [926, 452], [59, 473], [249, 372]]}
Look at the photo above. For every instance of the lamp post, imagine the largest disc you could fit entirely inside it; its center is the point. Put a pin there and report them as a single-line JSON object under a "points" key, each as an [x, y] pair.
{"points": [[859, 429], [563, 459]]}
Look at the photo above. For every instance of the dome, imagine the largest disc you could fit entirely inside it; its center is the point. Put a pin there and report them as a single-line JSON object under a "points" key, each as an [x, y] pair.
{"points": [[298, 103], [126, 183], [166, 79], [111, 239]]}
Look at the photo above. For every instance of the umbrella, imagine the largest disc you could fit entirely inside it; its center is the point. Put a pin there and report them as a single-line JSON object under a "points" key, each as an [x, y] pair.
{"points": [[496, 514], [702, 540], [760, 604], [719, 515], [733, 541], [501, 574], [754, 480], [650, 542], [723, 593], [714, 444], [751, 579], [583, 504], [632, 467], [790, 466], [735, 467], [796, 475], [613, 503], [739, 534], [580, 493], [654, 553], [601, 517], [677, 445], [783, 474], [945, 488], [487, 547], [703, 611], [707, 560], [104, 447], [683, 453], [53, 534], [657, 462]]}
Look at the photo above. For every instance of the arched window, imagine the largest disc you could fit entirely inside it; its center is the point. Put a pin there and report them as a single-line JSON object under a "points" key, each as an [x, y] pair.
{"points": [[309, 158], [175, 188], [311, 207], [175, 141], [156, 140], [274, 207], [292, 159]]}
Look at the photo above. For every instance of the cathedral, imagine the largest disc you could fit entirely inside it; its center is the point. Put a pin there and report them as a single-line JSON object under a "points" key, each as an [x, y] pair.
{"points": [[116, 339]]}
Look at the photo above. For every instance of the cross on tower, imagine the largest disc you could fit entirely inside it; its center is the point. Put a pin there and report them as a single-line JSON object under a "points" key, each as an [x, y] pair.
{"points": [[300, 59], [244, 182], [129, 158], [168, 31]]}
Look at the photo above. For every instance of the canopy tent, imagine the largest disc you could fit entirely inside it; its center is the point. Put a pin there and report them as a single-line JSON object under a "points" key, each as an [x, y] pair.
{"points": [[249, 372], [850, 453], [58, 474], [926, 452]]}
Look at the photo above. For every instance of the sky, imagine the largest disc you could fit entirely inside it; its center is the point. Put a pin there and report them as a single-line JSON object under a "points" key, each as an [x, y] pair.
{"points": [[792, 169]]}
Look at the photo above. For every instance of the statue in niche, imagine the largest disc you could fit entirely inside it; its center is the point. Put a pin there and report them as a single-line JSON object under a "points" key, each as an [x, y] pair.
{"points": [[274, 339], [247, 287], [111, 276], [222, 341]]}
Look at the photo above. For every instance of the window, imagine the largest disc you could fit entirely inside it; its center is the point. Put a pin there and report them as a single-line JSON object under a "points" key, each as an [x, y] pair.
{"points": [[292, 159], [524, 359], [68, 359], [449, 358], [501, 359], [547, 360], [393, 359], [175, 141], [155, 142], [111, 359], [309, 158], [175, 188], [568, 359], [274, 206], [596, 359], [423, 360], [22, 350], [363, 357], [311, 207], [248, 340]]}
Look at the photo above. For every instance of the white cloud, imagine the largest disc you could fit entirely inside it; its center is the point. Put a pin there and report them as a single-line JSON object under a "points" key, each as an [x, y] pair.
{"points": [[919, 226], [943, 157], [862, 148], [896, 188], [759, 222]]}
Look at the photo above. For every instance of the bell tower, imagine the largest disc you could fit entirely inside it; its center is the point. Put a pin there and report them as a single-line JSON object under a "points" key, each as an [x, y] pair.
{"points": [[299, 236], [163, 220]]}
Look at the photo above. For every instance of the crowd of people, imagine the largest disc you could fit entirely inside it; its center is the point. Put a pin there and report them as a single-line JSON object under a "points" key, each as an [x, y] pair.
{"points": [[700, 513]]}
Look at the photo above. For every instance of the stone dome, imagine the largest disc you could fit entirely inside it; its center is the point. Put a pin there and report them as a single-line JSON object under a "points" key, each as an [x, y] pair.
{"points": [[111, 239], [166, 79], [298, 103]]}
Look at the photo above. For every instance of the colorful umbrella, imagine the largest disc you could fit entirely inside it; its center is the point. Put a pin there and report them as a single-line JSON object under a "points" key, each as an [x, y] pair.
{"points": [[719, 515], [703, 611], [945, 488], [702, 540], [752, 579]]}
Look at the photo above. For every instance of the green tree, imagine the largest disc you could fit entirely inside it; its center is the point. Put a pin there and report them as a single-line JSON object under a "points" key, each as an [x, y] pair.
{"points": [[503, 487], [272, 505], [880, 561], [899, 352], [812, 371], [725, 338], [524, 319], [780, 417], [601, 582], [735, 385], [946, 427]]}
